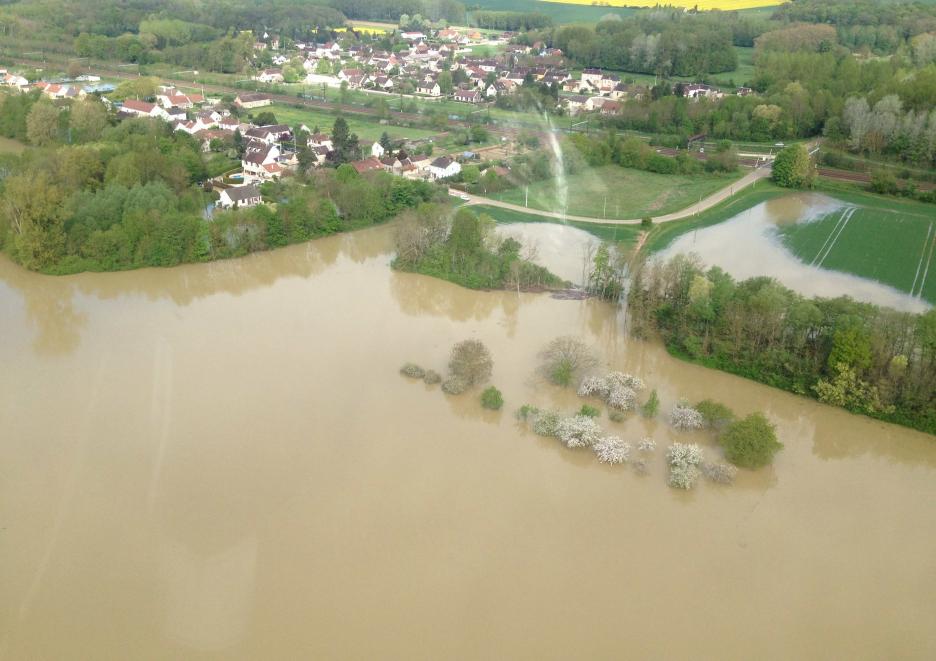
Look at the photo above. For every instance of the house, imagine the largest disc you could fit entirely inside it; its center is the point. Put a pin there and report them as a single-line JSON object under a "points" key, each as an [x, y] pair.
{"points": [[699, 90], [744, 91], [207, 135], [136, 108], [348, 74], [269, 134], [592, 77], [367, 165], [270, 76], [253, 100], [257, 157], [412, 36], [15, 81], [468, 96], [377, 150], [444, 167], [430, 88], [240, 196], [576, 103], [320, 140]]}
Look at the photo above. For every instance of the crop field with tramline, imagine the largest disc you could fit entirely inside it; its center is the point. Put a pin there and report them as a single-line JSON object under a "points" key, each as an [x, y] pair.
{"points": [[894, 247], [688, 4]]}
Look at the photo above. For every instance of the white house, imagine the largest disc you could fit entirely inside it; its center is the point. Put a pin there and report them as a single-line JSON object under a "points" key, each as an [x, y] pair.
{"points": [[258, 160], [443, 167], [430, 89], [240, 196], [142, 109], [269, 76], [377, 150]]}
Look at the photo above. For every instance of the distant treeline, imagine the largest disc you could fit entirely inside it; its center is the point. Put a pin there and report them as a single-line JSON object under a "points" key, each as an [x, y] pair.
{"points": [[879, 26], [391, 10], [867, 359], [513, 21], [663, 43]]}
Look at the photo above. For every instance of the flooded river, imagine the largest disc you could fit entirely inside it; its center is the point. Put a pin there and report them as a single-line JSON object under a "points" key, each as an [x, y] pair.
{"points": [[222, 461], [748, 245]]}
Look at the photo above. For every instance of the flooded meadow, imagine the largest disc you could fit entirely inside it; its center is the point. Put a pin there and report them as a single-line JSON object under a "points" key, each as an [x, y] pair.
{"points": [[222, 461]]}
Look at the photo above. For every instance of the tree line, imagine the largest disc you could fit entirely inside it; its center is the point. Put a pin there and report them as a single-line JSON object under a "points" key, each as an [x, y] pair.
{"points": [[862, 357]]}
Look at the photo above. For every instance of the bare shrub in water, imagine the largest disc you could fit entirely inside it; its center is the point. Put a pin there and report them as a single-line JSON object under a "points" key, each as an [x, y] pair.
{"points": [[454, 385], [641, 466], [721, 473], [611, 450], [565, 358], [686, 418], [413, 371], [432, 377], [578, 431], [471, 362]]}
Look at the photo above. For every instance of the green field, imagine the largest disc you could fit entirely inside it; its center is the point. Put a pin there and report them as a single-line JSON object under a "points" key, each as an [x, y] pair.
{"points": [[367, 131], [616, 192], [624, 234], [894, 246], [560, 13]]}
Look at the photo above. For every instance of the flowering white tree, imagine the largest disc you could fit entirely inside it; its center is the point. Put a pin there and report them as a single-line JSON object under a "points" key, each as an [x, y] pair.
{"points": [[686, 418], [684, 459], [647, 445], [617, 389], [611, 450], [578, 431]]}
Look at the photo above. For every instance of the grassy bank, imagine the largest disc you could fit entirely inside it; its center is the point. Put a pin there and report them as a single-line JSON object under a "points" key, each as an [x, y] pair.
{"points": [[622, 234], [614, 192]]}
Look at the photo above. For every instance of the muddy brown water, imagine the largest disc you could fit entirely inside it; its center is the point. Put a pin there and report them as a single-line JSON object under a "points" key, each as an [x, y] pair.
{"points": [[748, 245], [221, 461]]}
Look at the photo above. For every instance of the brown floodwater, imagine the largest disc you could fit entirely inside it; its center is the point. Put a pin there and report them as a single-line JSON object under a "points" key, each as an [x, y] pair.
{"points": [[222, 461], [748, 245]]}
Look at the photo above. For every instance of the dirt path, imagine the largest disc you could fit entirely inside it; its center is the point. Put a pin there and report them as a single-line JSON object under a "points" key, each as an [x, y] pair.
{"points": [[691, 210]]}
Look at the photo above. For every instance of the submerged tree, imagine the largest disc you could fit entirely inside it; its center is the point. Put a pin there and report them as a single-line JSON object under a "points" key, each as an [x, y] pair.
{"points": [[471, 362], [565, 358]]}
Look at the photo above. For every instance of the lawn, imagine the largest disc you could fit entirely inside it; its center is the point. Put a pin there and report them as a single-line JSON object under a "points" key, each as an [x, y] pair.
{"points": [[893, 246], [559, 12], [367, 131], [616, 192], [625, 234]]}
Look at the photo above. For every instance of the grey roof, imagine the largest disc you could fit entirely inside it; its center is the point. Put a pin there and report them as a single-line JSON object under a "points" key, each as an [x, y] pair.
{"points": [[241, 193]]}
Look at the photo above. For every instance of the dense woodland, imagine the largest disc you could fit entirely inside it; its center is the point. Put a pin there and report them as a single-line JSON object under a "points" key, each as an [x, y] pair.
{"points": [[867, 359]]}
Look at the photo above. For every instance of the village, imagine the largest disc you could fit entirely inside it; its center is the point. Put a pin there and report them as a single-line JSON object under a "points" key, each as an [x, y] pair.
{"points": [[436, 65]]}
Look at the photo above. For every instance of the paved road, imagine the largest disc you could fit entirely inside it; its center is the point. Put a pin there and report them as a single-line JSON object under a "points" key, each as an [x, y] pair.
{"points": [[698, 207]]}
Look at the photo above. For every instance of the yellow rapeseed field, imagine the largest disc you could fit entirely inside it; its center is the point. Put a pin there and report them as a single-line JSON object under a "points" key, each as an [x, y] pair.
{"points": [[688, 4]]}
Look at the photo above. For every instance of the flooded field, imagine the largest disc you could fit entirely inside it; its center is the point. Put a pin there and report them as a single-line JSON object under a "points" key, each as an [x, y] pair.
{"points": [[750, 245], [222, 461]]}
